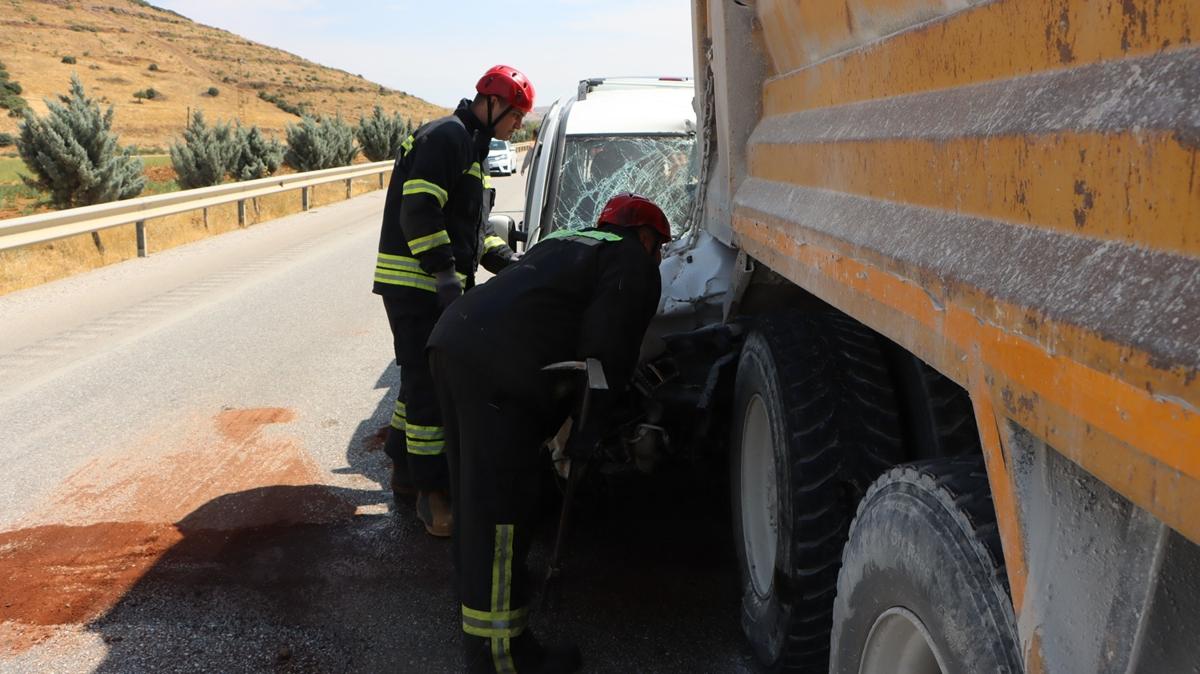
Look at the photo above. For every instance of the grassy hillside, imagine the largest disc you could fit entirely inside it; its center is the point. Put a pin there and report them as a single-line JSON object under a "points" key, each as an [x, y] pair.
{"points": [[122, 47]]}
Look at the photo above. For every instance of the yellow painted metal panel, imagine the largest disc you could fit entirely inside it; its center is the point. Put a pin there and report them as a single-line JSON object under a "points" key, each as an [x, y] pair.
{"points": [[800, 32], [1141, 443], [1002, 39], [1133, 187]]}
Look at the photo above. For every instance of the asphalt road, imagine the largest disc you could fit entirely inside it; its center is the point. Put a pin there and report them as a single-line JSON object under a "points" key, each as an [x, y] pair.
{"points": [[192, 483]]}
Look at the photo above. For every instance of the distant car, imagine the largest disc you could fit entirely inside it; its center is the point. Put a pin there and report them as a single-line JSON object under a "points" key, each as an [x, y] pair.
{"points": [[502, 158]]}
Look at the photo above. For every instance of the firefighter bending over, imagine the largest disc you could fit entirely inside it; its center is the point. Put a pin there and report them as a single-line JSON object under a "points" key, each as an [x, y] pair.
{"points": [[578, 294]]}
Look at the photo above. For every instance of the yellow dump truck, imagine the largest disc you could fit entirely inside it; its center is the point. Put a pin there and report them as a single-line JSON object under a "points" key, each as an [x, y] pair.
{"points": [[964, 247]]}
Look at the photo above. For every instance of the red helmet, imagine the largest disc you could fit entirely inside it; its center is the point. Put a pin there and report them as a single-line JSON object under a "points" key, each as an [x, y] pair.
{"points": [[633, 210], [509, 84]]}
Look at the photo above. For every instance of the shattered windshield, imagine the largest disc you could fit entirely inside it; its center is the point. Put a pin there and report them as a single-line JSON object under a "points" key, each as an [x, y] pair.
{"points": [[595, 168]]}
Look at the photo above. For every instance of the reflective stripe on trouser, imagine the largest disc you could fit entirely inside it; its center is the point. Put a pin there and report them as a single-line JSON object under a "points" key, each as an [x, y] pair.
{"points": [[502, 623], [492, 447], [415, 435]]}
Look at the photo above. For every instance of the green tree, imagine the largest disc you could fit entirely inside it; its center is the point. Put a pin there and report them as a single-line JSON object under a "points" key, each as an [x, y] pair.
{"points": [[74, 155], [319, 144], [258, 156], [206, 155], [380, 136]]}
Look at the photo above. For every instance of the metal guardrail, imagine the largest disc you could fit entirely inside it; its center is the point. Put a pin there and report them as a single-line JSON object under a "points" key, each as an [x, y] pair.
{"points": [[45, 227]]}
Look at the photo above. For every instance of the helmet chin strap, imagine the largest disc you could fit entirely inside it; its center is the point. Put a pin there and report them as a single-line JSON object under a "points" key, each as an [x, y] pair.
{"points": [[493, 120]]}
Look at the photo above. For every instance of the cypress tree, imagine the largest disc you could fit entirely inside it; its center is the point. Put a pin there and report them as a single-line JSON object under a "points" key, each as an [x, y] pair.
{"points": [[258, 156], [206, 154], [74, 155], [319, 144], [380, 136]]}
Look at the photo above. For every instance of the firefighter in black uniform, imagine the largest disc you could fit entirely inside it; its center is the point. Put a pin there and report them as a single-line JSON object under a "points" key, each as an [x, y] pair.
{"points": [[435, 234], [578, 294]]}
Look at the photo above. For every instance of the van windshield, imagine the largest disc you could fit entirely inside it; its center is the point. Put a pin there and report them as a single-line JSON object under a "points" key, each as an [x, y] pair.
{"points": [[596, 168]]}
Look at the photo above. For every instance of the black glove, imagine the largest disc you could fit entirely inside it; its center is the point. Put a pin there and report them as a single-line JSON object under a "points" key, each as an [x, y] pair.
{"points": [[448, 287]]}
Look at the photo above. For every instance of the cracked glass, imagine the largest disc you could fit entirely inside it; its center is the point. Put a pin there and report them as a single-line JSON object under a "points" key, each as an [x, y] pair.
{"points": [[661, 168]]}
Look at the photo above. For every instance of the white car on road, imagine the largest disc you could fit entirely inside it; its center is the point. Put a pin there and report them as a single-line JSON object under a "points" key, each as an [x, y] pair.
{"points": [[502, 158]]}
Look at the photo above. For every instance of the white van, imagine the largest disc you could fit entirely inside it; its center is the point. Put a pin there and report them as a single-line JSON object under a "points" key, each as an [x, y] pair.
{"points": [[632, 134]]}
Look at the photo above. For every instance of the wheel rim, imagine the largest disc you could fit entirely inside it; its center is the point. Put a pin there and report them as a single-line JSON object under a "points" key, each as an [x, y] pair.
{"points": [[899, 643], [760, 507]]}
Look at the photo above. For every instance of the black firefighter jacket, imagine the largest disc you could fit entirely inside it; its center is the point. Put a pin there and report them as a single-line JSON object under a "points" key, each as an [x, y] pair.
{"points": [[436, 213], [576, 295]]}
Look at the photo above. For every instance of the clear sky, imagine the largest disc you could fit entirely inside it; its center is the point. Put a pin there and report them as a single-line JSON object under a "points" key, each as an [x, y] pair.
{"points": [[436, 50]]}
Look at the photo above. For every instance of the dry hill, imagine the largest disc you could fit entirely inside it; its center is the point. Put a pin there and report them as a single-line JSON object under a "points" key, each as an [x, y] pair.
{"points": [[122, 47]]}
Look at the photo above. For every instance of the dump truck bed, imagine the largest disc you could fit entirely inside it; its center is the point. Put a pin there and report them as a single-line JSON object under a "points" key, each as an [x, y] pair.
{"points": [[1008, 190]]}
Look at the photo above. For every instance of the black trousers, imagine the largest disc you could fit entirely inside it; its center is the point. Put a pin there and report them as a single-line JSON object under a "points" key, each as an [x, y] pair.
{"points": [[416, 439], [492, 444]]}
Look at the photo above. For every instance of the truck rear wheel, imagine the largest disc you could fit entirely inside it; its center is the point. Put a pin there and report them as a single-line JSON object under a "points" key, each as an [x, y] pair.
{"points": [[922, 589], [814, 423]]}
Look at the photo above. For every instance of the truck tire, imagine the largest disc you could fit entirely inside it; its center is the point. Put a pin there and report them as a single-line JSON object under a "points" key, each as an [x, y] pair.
{"points": [[814, 423], [923, 587]]}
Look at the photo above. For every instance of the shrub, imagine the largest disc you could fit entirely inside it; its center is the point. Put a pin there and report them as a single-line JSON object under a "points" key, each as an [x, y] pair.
{"points": [[380, 135], [319, 144], [10, 95], [7, 140], [148, 94], [206, 154], [68, 59], [74, 155], [213, 91], [297, 110], [153, 68], [258, 156]]}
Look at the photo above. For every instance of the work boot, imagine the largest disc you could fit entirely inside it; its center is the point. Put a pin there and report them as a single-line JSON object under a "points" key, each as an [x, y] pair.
{"points": [[528, 656], [433, 509], [402, 487]]}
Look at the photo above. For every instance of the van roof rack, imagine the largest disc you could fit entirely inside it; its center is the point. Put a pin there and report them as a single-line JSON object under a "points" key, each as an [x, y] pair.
{"points": [[590, 84]]}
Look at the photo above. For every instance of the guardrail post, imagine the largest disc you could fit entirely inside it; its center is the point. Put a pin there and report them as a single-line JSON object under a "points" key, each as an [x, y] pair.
{"points": [[241, 212], [304, 198], [381, 180], [140, 228], [349, 190]]}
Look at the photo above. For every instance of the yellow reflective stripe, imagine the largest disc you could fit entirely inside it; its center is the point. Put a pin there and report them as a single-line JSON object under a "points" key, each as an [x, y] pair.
{"points": [[392, 267], [502, 594], [495, 616], [400, 416], [424, 243], [399, 274], [474, 170], [425, 447], [502, 625], [487, 182], [418, 186], [502, 656], [492, 242], [406, 145], [402, 263], [416, 432], [401, 278]]}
